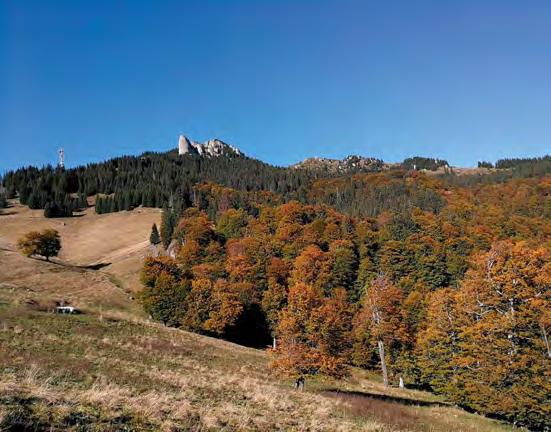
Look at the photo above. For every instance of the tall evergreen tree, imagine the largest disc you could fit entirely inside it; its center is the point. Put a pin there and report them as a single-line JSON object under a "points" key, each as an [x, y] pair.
{"points": [[168, 223], [154, 238]]}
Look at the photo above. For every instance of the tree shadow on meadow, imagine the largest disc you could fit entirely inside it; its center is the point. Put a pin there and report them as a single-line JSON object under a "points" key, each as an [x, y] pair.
{"points": [[62, 264], [390, 410], [358, 395]]}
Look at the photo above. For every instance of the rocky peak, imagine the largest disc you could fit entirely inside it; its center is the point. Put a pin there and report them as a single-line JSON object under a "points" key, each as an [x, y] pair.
{"points": [[184, 145], [216, 147], [213, 147]]}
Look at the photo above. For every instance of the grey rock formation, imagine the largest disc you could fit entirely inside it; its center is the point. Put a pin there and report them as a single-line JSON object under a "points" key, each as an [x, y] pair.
{"points": [[214, 147], [350, 164], [173, 249], [185, 145]]}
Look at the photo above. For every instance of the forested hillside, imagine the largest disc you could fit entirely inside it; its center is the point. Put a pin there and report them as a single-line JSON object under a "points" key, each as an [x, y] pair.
{"points": [[437, 279], [447, 287], [167, 180], [151, 180]]}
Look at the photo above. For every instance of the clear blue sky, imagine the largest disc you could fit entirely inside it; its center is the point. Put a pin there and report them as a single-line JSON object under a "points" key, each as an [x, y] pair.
{"points": [[282, 80]]}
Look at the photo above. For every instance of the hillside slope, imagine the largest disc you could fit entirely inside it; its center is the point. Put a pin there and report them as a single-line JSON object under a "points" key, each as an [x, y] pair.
{"points": [[116, 243], [110, 369], [99, 372]]}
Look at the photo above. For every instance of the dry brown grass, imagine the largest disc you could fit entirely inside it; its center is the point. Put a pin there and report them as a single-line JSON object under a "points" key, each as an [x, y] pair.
{"points": [[88, 237], [30, 280], [165, 376], [363, 394], [120, 239]]}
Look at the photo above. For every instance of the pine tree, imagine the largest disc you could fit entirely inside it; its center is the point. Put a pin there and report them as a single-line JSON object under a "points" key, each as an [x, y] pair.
{"points": [[49, 210]]}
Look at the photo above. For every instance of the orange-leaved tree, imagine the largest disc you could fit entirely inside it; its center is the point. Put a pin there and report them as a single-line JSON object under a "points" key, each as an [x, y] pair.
{"points": [[312, 267], [165, 290], [490, 338], [380, 315], [313, 333], [505, 369], [438, 343], [275, 296]]}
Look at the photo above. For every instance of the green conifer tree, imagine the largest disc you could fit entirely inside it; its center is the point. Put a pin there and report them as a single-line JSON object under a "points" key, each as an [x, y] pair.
{"points": [[99, 205], [168, 222], [154, 238]]}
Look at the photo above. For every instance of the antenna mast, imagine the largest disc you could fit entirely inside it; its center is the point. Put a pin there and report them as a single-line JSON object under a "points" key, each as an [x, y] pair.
{"points": [[61, 154]]}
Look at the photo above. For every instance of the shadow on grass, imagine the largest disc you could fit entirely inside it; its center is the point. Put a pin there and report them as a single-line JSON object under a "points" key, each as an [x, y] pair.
{"points": [[96, 266], [381, 397], [391, 410], [33, 414]]}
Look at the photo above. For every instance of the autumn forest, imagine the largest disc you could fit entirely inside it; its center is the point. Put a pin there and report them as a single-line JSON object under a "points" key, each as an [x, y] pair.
{"points": [[437, 280], [448, 291]]}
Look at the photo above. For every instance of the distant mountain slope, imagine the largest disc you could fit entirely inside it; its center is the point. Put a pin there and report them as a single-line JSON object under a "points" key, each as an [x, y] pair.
{"points": [[154, 179], [168, 179]]}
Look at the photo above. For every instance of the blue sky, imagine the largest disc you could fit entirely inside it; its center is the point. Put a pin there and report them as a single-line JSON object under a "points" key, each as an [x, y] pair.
{"points": [[282, 80]]}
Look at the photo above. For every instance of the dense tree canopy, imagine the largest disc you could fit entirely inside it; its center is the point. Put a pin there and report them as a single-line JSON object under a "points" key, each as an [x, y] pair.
{"points": [[409, 292], [169, 180]]}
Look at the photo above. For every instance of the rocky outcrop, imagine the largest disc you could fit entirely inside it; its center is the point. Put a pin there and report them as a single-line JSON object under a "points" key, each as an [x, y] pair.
{"points": [[185, 146], [173, 249], [214, 147], [349, 164]]}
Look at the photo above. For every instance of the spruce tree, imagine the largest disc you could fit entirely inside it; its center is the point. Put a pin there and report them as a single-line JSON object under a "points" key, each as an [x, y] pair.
{"points": [[99, 205], [168, 222], [154, 238], [82, 201]]}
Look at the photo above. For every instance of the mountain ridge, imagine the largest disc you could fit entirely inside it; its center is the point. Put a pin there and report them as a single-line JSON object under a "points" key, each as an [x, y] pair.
{"points": [[167, 179]]}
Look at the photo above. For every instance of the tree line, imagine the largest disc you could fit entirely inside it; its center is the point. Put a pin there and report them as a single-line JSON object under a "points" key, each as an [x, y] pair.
{"points": [[167, 179]]}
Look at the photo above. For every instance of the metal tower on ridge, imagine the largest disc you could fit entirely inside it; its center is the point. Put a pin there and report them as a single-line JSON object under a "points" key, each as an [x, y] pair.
{"points": [[61, 154]]}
